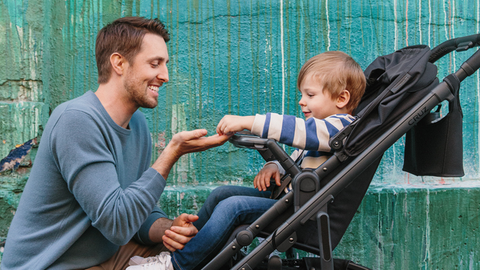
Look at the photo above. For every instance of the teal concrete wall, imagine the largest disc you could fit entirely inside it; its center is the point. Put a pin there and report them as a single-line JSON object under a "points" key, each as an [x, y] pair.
{"points": [[242, 57]]}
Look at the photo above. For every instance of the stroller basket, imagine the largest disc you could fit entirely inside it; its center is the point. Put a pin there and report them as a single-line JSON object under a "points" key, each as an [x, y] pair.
{"points": [[396, 99]]}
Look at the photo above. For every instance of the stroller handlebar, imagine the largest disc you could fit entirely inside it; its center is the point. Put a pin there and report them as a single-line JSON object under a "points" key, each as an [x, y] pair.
{"points": [[469, 67], [458, 44]]}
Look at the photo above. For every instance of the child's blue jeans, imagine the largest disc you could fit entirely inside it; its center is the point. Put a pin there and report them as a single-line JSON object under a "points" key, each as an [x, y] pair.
{"points": [[226, 208]]}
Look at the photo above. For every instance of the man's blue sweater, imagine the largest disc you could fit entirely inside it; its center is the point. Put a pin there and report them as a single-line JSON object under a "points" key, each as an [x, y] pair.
{"points": [[91, 189]]}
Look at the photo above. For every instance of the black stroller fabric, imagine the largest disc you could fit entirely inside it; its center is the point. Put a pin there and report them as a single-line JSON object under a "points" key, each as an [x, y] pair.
{"points": [[394, 83], [435, 146], [345, 205]]}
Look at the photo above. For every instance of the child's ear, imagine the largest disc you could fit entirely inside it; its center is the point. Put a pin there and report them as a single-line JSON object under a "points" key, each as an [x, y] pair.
{"points": [[343, 99], [118, 63]]}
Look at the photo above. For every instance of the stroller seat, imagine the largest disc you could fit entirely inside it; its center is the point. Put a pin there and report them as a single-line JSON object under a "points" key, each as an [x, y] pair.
{"points": [[402, 88]]}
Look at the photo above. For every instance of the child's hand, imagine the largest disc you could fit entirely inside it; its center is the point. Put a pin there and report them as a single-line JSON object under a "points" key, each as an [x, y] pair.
{"points": [[262, 180], [233, 123]]}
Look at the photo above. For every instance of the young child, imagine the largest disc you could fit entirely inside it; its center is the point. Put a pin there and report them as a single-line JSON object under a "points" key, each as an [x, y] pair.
{"points": [[331, 85]]}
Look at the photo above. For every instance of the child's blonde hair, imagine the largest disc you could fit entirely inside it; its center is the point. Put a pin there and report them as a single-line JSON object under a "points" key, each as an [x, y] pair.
{"points": [[336, 71]]}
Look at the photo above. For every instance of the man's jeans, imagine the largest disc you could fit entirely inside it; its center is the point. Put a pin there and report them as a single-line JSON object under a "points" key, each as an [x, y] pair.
{"points": [[225, 208]]}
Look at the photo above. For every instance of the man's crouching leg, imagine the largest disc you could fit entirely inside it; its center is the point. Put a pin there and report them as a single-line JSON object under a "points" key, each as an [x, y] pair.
{"points": [[122, 256]]}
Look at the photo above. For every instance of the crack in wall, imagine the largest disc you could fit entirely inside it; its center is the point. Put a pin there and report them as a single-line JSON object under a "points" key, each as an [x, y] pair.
{"points": [[3, 82], [20, 90]]}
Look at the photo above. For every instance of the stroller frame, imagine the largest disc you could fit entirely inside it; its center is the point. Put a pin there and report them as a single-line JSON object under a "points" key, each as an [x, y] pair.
{"points": [[313, 204]]}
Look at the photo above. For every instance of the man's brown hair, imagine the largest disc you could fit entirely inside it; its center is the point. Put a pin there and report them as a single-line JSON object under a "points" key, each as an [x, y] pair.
{"points": [[336, 71], [124, 36]]}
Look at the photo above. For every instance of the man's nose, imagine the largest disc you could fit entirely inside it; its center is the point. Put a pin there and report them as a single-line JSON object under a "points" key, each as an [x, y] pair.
{"points": [[163, 74]]}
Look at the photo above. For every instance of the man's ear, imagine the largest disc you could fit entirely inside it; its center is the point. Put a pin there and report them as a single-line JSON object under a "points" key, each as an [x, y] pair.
{"points": [[343, 99], [118, 63]]}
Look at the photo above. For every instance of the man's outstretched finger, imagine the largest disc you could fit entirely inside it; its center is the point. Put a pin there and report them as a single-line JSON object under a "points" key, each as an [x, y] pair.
{"points": [[193, 134]]}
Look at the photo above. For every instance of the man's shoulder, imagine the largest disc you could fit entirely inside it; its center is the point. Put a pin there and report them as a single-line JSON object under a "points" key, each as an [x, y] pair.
{"points": [[86, 103], [77, 112]]}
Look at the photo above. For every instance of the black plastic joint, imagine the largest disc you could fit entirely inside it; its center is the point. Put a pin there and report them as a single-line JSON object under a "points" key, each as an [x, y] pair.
{"points": [[244, 238], [467, 68], [453, 83]]}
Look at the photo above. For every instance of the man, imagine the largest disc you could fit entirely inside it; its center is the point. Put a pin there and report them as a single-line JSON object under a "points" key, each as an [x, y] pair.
{"points": [[91, 189]]}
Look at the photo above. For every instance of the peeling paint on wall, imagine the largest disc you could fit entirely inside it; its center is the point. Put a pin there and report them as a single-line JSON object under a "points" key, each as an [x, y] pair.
{"points": [[18, 157], [19, 122]]}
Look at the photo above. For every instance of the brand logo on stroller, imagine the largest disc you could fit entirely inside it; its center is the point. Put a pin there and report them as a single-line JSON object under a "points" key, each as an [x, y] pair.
{"points": [[418, 116]]}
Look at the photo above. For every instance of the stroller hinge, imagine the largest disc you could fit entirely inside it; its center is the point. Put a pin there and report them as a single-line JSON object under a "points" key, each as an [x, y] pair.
{"points": [[453, 84], [305, 186], [336, 142]]}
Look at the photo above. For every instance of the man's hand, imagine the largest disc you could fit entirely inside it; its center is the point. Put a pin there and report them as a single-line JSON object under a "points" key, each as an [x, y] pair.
{"points": [[262, 180], [180, 233], [194, 141], [233, 123], [183, 143]]}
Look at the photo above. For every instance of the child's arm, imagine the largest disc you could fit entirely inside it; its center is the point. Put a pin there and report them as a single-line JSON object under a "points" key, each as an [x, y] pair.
{"points": [[262, 180], [233, 123], [312, 134]]}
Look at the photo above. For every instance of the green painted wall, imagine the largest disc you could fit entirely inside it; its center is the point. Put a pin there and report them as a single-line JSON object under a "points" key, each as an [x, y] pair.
{"points": [[242, 57], [415, 227], [238, 57]]}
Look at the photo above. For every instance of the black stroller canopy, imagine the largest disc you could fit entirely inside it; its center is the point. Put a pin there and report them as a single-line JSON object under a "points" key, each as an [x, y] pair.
{"points": [[395, 82]]}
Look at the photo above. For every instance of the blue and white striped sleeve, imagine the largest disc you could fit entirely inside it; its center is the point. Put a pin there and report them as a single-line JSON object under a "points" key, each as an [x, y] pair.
{"points": [[312, 134]]}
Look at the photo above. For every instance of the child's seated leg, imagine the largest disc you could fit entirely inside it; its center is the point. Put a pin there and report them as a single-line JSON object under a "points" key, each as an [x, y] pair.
{"points": [[229, 214], [220, 194]]}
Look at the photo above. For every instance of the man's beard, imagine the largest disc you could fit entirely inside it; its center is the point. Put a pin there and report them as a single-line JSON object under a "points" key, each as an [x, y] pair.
{"points": [[138, 95]]}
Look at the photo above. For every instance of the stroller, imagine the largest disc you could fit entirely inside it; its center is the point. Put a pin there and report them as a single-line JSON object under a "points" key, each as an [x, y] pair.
{"points": [[402, 90]]}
